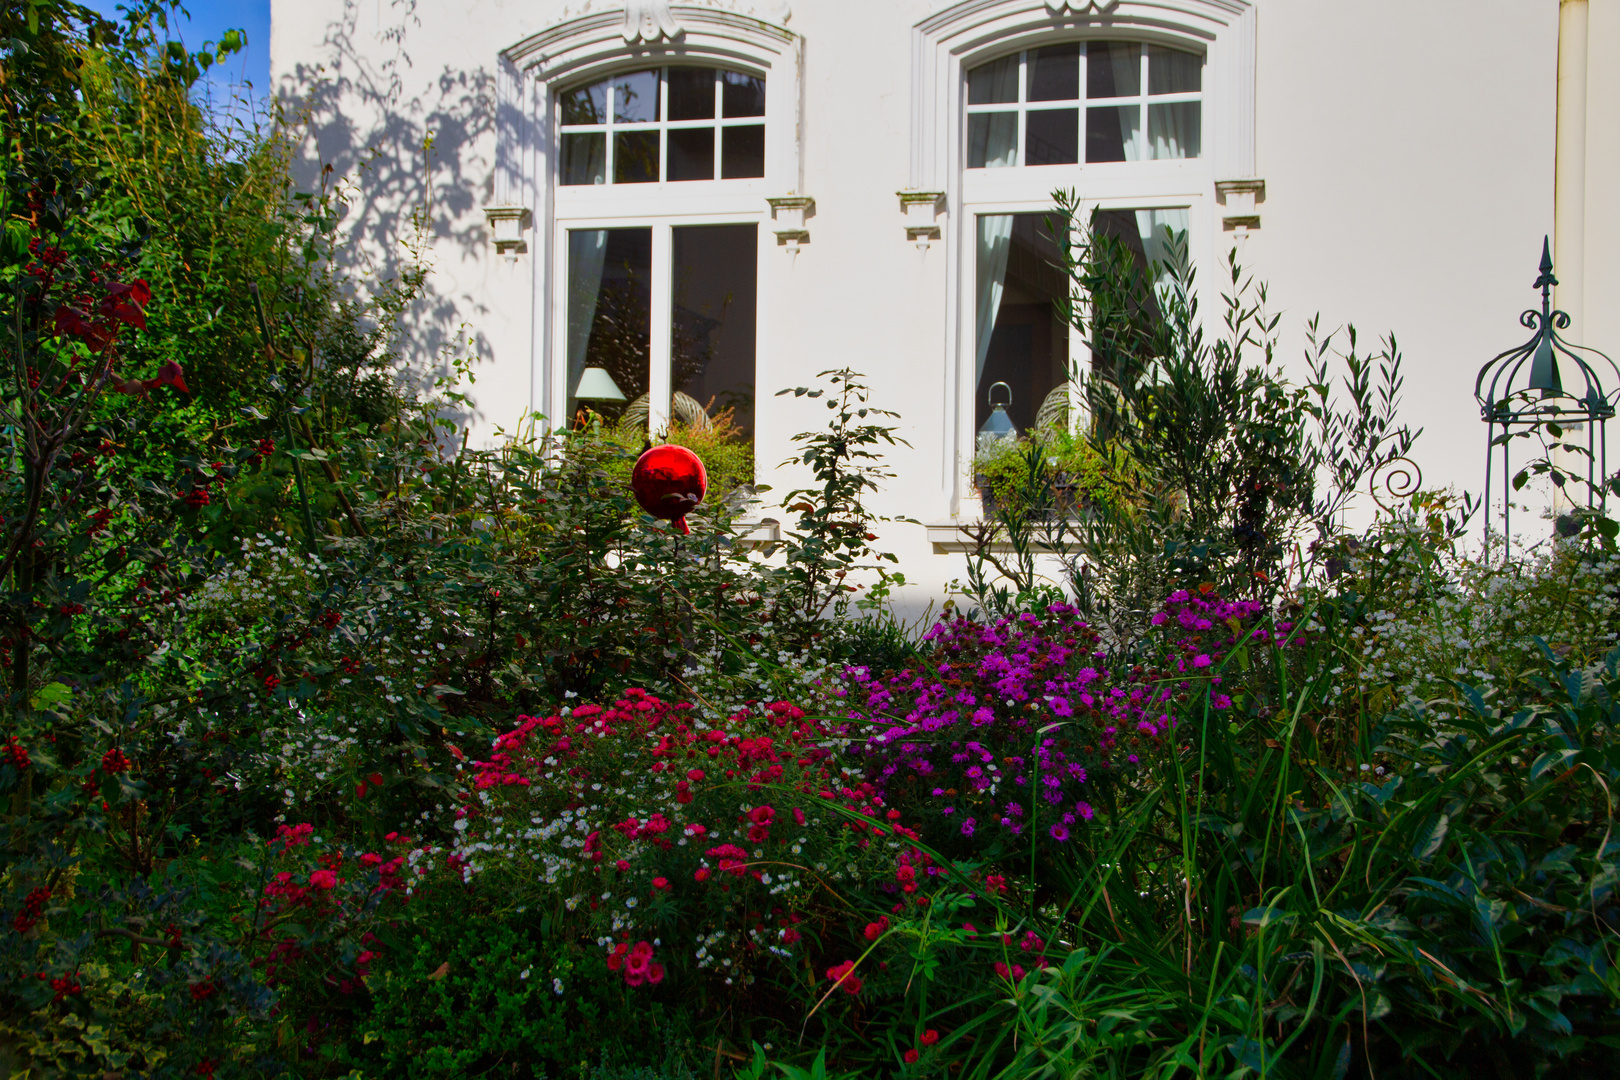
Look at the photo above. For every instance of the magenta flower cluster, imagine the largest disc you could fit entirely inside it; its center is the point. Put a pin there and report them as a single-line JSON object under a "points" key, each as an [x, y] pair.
{"points": [[1021, 723]]}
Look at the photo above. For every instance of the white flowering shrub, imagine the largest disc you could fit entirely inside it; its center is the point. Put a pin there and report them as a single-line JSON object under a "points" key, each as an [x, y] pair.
{"points": [[1434, 614]]}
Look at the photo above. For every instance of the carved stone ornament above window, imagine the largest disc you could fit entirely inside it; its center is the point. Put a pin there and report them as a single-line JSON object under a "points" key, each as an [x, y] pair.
{"points": [[1081, 7], [649, 20]]}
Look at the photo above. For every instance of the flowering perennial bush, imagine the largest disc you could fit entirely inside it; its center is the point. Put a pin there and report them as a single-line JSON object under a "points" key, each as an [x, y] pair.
{"points": [[1024, 724]]}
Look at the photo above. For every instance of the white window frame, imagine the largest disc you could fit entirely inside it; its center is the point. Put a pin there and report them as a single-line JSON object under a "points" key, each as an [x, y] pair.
{"points": [[963, 36], [587, 49]]}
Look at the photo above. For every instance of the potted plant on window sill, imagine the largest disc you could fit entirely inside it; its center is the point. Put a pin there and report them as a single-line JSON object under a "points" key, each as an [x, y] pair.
{"points": [[1052, 474]]}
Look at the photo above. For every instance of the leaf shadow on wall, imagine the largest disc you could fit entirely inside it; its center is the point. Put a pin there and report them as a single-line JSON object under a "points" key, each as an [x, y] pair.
{"points": [[412, 153]]}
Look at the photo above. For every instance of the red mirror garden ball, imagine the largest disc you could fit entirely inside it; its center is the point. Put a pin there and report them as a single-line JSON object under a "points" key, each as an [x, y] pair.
{"points": [[668, 482]]}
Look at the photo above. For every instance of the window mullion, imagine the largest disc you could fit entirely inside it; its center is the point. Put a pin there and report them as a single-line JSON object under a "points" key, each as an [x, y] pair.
{"points": [[661, 315]]}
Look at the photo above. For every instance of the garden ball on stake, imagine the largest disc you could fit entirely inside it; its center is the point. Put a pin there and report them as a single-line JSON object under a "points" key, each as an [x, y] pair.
{"points": [[668, 481]]}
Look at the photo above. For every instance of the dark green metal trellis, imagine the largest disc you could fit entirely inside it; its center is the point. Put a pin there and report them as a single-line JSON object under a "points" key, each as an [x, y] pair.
{"points": [[1545, 385]]}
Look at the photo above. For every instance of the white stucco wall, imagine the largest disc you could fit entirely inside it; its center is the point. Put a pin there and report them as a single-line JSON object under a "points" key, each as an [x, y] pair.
{"points": [[1407, 151]]}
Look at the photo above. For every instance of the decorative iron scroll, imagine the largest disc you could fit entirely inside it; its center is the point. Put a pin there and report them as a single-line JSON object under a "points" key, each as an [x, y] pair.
{"points": [[1400, 478]]}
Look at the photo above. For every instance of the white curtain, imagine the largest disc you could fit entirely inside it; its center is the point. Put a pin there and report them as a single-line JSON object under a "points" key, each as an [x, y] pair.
{"points": [[994, 241], [587, 251], [1173, 130], [1163, 250], [993, 137]]}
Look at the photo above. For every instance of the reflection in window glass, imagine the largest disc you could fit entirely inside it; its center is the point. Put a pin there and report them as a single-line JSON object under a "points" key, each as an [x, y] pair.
{"points": [[635, 157], [1141, 103], [585, 105], [584, 158], [712, 335], [635, 98], [661, 125], [609, 312]]}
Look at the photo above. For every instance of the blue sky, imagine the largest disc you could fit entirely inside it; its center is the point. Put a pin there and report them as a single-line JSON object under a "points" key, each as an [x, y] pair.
{"points": [[207, 20]]}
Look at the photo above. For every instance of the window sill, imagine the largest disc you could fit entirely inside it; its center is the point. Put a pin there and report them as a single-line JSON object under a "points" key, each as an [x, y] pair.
{"points": [[959, 536]]}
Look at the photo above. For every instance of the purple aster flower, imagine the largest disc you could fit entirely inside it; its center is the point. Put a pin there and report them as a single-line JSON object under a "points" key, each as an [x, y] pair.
{"points": [[967, 827], [1059, 832]]}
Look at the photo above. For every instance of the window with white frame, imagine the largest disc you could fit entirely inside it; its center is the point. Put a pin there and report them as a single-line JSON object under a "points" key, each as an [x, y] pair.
{"points": [[664, 124], [659, 283], [1091, 102], [1118, 121]]}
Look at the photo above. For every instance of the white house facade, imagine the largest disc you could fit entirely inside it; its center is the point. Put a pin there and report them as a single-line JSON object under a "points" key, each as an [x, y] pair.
{"points": [[713, 200]]}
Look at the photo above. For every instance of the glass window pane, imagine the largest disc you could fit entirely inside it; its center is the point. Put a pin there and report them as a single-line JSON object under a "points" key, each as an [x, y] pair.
{"points": [[585, 105], [995, 82], [1171, 71], [1020, 292], [1111, 133], [712, 331], [1113, 69], [742, 152], [635, 157], [1053, 137], [635, 98], [584, 158], [1173, 130], [691, 93], [609, 313], [992, 140], [691, 152], [1054, 73], [742, 95]]}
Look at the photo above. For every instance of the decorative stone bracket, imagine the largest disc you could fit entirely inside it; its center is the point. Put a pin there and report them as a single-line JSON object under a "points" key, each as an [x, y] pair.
{"points": [[508, 223], [1239, 198], [789, 212], [922, 211]]}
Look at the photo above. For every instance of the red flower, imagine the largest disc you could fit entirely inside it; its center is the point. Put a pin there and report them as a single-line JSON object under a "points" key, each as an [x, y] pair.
{"points": [[875, 930], [701, 873], [929, 1037], [15, 753], [910, 1056], [843, 975], [660, 883]]}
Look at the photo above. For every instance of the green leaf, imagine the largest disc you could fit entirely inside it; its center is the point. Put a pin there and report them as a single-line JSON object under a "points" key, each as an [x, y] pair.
{"points": [[1431, 836], [51, 695]]}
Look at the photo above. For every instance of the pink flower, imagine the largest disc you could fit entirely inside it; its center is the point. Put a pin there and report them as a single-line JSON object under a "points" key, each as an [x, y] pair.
{"points": [[875, 930], [655, 973], [929, 1037], [660, 883], [324, 879], [843, 975], [910, 1056], [623, 865], [701, 873]]}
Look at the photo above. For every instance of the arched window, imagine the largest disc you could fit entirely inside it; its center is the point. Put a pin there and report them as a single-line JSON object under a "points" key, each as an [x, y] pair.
{"points": [[648, 156], [1138, 106], [672, 124], [1090, 102]]}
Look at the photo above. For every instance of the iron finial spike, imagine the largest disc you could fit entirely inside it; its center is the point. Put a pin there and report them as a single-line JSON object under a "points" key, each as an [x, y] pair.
{"points": [[1546, 280]]}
